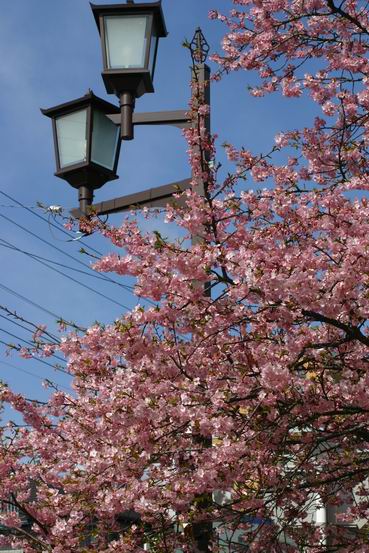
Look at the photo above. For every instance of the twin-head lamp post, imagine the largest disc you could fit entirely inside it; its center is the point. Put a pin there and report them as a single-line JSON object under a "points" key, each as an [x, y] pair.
{"points": [[88, 131], [87, 142]]}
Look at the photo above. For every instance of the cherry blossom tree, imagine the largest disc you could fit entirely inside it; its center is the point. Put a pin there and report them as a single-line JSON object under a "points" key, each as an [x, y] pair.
{"points": [[227, 422]]}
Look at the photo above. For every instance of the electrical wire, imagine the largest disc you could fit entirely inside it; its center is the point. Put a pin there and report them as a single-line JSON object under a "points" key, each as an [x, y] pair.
{"points": [[108, 279], [55, 225], [16, 206], [56, 368], [45, 338], [11, 315], [78, 282], [57, 384], [45, 241], [29, 343], [7, 244], [60, 227], [30, 302]]}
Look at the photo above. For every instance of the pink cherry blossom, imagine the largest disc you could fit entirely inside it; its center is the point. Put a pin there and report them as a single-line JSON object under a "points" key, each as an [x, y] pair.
{"points": [[233, 416]]}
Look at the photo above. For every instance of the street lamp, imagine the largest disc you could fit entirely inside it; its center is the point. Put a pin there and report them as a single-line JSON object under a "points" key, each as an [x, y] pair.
{"points": [[86, 131], [86, 144], [129, 40]]}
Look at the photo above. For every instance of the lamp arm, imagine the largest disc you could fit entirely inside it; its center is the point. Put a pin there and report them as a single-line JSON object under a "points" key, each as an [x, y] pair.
{"points": [[177, 118]]}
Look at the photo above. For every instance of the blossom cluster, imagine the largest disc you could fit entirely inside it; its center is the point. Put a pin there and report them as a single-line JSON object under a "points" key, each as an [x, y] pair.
{"points": [[237, 403]]}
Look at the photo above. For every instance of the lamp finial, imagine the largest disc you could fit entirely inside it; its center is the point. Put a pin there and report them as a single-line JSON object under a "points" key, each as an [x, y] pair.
{"points": [[199, 47]]}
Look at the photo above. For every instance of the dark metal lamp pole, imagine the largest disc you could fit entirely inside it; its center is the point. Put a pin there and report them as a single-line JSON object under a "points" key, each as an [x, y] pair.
{"points": [[88, 131]]}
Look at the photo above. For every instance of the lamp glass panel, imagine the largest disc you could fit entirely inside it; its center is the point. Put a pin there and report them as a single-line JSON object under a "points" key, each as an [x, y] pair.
{"points": [[71, 132], [105, 137], [126, 41], [153, 49]]}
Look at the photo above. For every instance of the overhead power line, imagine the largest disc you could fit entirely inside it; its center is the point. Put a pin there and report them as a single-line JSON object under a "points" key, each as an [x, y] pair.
{"points": [[30, 302], [35, 258], [7, 206], [25, 229], [60, 227], [29, 343], [30, 373], [92, 274], [11, 315], [56, 225], [33, 330], [56, 368]]}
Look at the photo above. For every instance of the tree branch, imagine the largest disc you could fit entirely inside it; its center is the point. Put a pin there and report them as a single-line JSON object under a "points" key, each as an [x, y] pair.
{"points": [[352, 332]]}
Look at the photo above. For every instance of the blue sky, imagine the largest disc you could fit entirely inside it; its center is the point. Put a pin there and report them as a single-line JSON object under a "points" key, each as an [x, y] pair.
{"points": [[50, 53]]}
